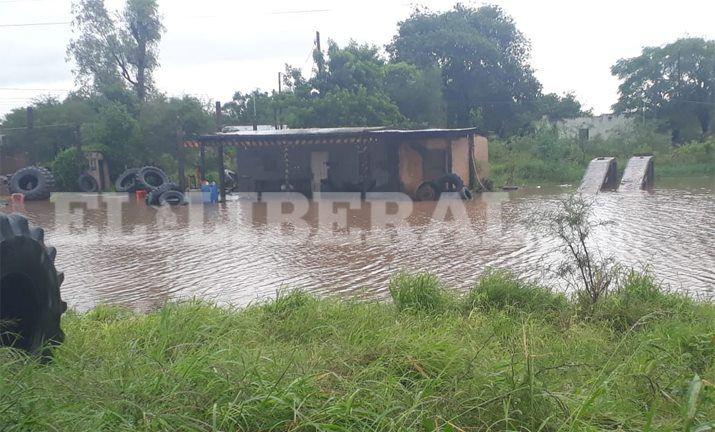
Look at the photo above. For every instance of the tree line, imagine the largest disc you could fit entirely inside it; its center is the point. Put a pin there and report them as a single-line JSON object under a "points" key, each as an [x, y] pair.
{"points": [[466, 67]]}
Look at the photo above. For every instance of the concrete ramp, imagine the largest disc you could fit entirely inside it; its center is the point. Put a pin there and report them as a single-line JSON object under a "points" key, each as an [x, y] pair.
{"points": [[638, 174], [600, 174]]}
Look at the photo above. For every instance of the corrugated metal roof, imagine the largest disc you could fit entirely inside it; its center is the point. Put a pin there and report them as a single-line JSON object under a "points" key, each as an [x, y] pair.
{"points": [[342, 135], [309, 131]]}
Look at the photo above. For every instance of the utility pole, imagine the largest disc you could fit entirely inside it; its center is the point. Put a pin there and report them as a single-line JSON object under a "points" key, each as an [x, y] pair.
{"points": [[255, 119], [319, 52], [221, 168], [276, 110], [29, 135]]}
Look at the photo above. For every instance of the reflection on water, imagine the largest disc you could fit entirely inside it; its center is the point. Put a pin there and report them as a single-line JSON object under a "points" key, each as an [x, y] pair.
{"points": [[119, 251]]}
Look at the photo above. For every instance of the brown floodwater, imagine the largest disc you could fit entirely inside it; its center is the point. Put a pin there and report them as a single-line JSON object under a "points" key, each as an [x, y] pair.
{"points": [[119, 251]]}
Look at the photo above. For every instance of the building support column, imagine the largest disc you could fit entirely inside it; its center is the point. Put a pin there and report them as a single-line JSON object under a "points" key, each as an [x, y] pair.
{"points": [[202, 163], [472, 163], [221, 174], [181, 159]]}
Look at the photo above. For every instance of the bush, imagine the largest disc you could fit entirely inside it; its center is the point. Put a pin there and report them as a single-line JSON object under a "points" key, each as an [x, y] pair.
{"points": [[636, 297], [503, 290], [419, 292], [66, 169]]}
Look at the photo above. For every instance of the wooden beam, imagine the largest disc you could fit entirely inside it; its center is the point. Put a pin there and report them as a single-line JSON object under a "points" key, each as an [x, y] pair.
{"points": [[181, 159], [202, 161], [221, 174]]}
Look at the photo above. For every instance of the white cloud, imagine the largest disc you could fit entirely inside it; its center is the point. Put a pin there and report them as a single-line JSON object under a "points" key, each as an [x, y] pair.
{"points": [[215, 47]]}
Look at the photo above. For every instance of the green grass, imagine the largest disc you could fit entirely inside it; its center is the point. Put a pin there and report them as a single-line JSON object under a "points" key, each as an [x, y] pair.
{"points": [[507, 355]]}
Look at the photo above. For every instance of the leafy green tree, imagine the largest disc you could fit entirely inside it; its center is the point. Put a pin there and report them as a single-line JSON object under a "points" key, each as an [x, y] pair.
{"points": [[110, 50], [417, 93], [483, 58], [66, 168], [345, 108], [675, 83], [247, 108], [556, 107], [55, 125]]}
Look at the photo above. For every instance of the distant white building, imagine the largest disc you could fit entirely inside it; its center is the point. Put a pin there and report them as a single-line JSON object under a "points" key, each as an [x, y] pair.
{"points": [[248, 128], [604, 126]]}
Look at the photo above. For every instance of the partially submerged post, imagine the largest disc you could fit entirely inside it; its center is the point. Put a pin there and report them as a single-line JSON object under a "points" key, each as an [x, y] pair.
{"points": [[219, 149], [180, 158]]}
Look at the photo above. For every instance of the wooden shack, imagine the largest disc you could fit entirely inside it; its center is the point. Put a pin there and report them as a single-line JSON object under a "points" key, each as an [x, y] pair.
{"points": [[348, 159]]}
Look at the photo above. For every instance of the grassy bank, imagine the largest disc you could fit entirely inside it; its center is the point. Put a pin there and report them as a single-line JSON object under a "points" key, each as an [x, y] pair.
{"points": [[544, 157], [508, 355]]}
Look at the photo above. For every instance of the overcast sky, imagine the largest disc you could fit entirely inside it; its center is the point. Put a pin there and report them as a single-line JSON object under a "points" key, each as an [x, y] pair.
{"points": [[212, 48]]}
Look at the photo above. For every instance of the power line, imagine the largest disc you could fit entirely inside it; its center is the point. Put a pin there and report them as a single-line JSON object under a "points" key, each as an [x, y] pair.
{"points": [[34, 89], [37, 24]]}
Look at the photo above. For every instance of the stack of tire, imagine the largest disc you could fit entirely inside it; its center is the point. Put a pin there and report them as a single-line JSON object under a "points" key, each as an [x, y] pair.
{"points": [[34, 182], [160, 190], [448, 183]]}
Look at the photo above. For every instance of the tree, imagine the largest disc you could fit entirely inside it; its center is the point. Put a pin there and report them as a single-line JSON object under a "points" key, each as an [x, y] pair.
{"points": [[247, 108], [556, 107], [483, 59], [116, 49], [675, 83]]}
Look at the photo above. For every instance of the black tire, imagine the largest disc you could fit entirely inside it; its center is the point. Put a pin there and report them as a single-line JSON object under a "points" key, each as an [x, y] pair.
{"points": [[172, 197], [154, 195], [34, 182], [151, 177], [450, 183], [127, 181], [87, 183], [31, 306], [427, 191], [466, 194]]}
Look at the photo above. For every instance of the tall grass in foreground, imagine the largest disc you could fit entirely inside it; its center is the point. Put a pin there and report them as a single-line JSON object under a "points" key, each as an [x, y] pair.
{"points": [[508, 355]]}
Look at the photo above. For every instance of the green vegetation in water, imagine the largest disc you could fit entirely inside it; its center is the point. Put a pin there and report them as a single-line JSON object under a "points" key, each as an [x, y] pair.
{"points": [[507, 355]]}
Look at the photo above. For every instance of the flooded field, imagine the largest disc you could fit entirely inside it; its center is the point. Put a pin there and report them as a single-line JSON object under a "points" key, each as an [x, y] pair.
{"points": [[117, 250]]}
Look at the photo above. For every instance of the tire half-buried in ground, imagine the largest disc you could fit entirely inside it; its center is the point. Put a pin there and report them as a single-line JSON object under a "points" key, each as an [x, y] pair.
{"points": [[154, 196], [34, 182], [127, 181], [151, 177], [172, 197], [30, 306], [87, 183], [450, 183], [427, 191]]}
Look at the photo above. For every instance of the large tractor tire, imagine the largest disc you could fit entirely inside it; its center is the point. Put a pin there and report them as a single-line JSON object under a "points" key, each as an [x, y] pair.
{"points": [[30, 303], [172, 197], [154, 196], [127, 181], [34, 182], [450, 183], [427, 191], [87, 183], [151, 177]]}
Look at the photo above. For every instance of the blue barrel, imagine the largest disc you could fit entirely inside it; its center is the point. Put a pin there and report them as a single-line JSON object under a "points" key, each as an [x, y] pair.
{"points": [[209, 193]]}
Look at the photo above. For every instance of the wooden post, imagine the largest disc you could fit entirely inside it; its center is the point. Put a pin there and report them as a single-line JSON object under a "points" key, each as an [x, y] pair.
{"points": [[219, 150], [202, 162], [221, 174], [180, 158], [472, 163], [219, 119], [78, 137]]}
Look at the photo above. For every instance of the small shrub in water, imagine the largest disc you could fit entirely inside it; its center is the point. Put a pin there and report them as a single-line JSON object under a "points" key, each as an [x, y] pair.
{"points": [[421, 291]]}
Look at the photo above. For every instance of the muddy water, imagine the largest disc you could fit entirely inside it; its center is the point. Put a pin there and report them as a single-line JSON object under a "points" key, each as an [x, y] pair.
{"points": [[116, 250]]}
